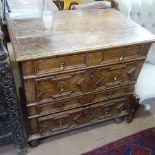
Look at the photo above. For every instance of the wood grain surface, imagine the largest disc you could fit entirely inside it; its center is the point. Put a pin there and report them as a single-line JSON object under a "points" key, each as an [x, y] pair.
{"points": [[68, 32]]}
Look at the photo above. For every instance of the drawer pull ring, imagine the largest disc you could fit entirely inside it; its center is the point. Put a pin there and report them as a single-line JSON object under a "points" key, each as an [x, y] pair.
{"points": [[62, 63]]}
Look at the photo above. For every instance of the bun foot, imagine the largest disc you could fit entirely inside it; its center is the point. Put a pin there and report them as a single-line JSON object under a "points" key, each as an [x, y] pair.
{"points": [[119, 120], [129, 119], [34, 143]]}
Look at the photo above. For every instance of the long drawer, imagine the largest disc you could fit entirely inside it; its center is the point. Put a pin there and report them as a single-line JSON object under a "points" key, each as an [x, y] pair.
{"points": [[44, 108], [82, 116], [60, 86], [79, 61]]}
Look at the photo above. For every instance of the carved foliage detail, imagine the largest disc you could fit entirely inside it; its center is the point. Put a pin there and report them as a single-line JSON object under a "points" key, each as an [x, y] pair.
{"points": [[8, 102]]}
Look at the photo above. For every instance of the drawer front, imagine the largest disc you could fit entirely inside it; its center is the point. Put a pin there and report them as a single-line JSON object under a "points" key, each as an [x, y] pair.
{"points": [[81, 116], [124, 54], [80, 61], [101, 96], [119, 74], [90, 80], [55, 106], [60, 105], [59, 86], [59, 64]]}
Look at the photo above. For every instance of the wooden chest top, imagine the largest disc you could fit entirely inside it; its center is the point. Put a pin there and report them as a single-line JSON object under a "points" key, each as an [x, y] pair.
{"points": [[68, 32]]}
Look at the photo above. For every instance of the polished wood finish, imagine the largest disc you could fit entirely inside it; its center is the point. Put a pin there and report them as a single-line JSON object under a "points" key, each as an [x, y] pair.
{"points": [[49, 107], [77, 72], [67, 32], [80, 116]]}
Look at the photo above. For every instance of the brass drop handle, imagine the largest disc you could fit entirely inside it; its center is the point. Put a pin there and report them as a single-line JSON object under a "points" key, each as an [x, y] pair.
{"points": [[121, 57], [62, 87], [109, 95], [62, 63], [115, 77], [106, 111], [61, 122]]}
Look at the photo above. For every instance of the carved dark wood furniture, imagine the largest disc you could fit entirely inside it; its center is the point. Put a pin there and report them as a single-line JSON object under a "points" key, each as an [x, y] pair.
{"points": [[11, 125], [78, 70]]}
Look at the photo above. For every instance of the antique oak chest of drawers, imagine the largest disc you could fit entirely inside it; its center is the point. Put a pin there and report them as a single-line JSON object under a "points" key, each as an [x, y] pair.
{"points": [[77, 68]]}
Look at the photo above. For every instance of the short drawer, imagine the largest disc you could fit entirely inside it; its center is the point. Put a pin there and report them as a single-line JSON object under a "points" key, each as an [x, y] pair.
{"points": [[44, 108], [114, 93], [54, 106], [59, 64], [59, 106], [119, 74], [124, 54], [81, 116]]}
